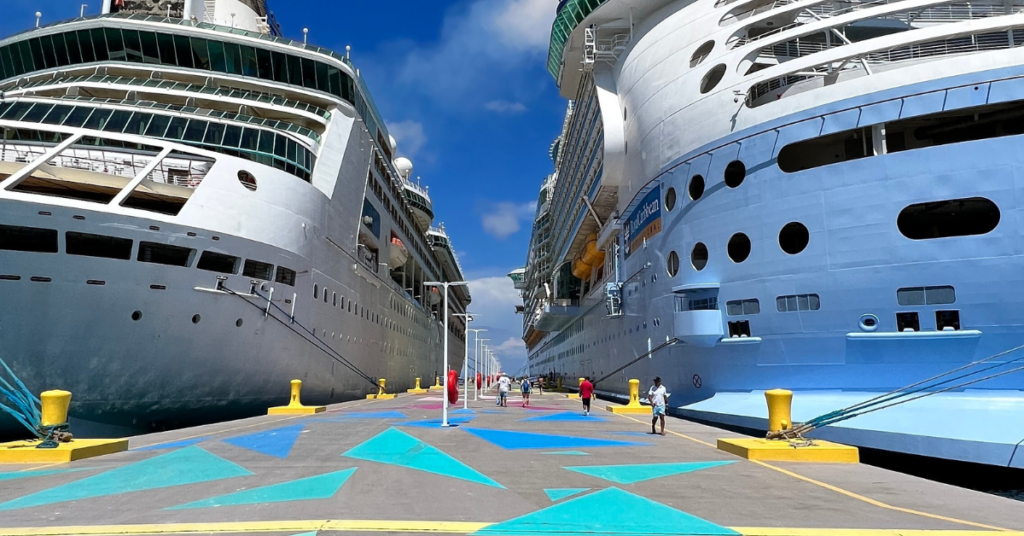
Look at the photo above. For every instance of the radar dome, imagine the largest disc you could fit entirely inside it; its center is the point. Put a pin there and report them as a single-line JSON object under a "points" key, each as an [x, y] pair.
{"points": [[404, 167], [393, 143]]}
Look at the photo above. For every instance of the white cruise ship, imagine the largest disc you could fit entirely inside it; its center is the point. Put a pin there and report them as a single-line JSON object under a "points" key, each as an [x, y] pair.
{"points": [[819, 195], [195, 210]]}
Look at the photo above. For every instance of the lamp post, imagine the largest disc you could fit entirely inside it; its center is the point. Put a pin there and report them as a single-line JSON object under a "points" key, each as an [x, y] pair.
{"points": [[445, 284], [477, 352], [476, 362], [465, 356]]}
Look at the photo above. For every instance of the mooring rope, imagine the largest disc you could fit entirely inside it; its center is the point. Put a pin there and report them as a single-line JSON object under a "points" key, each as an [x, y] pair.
{"points": [[26, 407]]}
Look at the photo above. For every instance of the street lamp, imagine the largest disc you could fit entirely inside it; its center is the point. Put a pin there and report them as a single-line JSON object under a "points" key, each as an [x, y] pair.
{"points": [[476, 361], [477, 352], [445, 284], [465, 356]]}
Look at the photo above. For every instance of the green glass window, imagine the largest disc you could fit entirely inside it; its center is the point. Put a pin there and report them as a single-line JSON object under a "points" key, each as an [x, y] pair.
{"points": [[165, 44], [292, 148], [132, 45], [118, 120], [280, 67], [250, 139], [115, 44], [7, 62], [266, 142], [150, 50], [78, 117], [15, 53], [37, 54], [216, 56], [200, 53], [74, 49], [308, 73], [195, 131], [294, 70], [97, 120], [176, 130], [214, 134], [57, 114], [264, 65], [250, 65], [37, 113], [28, 56], [99, 44], [16, 112], [334, 81], [232, 136], [322, 80], [138, 123], [183, 49], [232, 58], [48, 54], [158, 126], [60, 49], [280, 147]]}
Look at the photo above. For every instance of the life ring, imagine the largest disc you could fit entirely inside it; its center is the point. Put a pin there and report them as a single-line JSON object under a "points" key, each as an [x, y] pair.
{"points": [[453, 386]]}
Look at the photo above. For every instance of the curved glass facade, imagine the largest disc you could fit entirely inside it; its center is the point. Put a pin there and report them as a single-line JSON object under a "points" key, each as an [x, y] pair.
{"points": [[570, 14]]}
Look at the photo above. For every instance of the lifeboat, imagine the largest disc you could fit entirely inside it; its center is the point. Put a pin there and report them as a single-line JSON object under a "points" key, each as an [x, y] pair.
{"points": [[580, 268], [399, 253], [592, 255]]}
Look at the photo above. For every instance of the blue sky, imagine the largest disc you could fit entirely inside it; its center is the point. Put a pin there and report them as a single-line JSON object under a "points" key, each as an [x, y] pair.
{"points": [[463, 86]]}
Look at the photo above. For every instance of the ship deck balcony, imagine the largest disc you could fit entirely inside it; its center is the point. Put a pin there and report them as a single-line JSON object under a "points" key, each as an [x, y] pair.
{"points": [[555, 316]]}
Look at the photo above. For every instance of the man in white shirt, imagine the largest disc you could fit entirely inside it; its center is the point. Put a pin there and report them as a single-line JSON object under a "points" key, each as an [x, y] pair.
{"points": [[658, 396], [504, 384]]}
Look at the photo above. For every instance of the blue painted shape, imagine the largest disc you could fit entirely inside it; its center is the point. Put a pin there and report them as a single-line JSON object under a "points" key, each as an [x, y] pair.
{"points": [[277, 442], [173, 445], [609, 511], [189, 465], [510, 440], [631, 474], [436, 423], [304, 489], [557, 494], [927, 103], [464, 411], [881, 112], [840, 121], [29, 474], [568, 453], [566, 416], [371, 415], [966, 96], [395, 447]]}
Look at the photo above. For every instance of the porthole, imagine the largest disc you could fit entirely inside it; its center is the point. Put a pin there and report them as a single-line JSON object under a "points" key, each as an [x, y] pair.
{"points": [[238, 323], [868, 323], [696, 187], [739, 247], [701, 53], [670, 199], [735, 172], [137, 315], [196, 319], [713, 77], [673, 264], [316, 291], [247, 179], [699, 256], [953, 217], [793, 238]]}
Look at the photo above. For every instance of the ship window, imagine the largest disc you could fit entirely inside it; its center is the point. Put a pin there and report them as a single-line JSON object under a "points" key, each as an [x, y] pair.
{"points": [[799, 302], [943, 219], [37, 113], [258, 270], [701, 53], [334, 298], [117, 121], [195, 131], [216, 49], [696, 187], [247, 179], [183, 50], [17, 111], [673, 264], [699, 256], [285, 276], [743, 307], [176, 130], [712, 78], [57, 114], [132, 46], [91, 245], [158, 126], [735, 172], [98, 119], [926, 295], [250, 65], [212, 261], [165, 44], [670, 199], [739, 247], [165, 254], [793, 238], [200, 53], [947, 320], [115, 45], [78, 117], [14, 238], [907, 322], [703, 304], [214, 134], [84, 46], [232, 136], [316, 291], [74, 50], [138, 123]]}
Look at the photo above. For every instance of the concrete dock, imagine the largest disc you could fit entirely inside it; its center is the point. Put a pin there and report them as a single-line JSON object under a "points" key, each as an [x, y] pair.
{"points": [[387, 466]]}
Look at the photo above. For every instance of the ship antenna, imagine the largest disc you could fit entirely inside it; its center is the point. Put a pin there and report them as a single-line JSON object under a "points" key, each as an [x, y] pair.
{"points": [[39, 15], [305, 35], [232, 17], [81, 14], [348, 51]]}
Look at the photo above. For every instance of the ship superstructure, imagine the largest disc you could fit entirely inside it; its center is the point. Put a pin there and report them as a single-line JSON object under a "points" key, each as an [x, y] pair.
{"points": [[806, 194], [195, 210]]}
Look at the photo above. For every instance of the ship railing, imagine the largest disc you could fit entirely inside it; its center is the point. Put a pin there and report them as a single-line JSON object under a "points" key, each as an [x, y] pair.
{"points": [[731, 18], [416, 188]]}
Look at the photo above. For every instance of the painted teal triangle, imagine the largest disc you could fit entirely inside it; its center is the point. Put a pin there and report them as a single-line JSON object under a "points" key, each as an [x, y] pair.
{"points": [[607, 512], [512, 440], [631, 474], [464, 411], [30, 474], [189, 465], [569, 453], [557, 494], [304, 489], [277, 442], [395, 447]]}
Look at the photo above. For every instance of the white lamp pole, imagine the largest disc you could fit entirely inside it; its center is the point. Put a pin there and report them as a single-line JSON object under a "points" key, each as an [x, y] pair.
{"points": [[476, 385], [476, 366], [465, 357], [445, 284]]}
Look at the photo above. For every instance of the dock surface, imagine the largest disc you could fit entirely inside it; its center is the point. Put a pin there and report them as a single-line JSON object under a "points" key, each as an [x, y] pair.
{"points": [[387, 466]]}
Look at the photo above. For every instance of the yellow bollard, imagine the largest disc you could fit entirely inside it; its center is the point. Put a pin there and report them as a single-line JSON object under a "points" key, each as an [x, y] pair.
{"points": [[295, 406], [55, 407], [417, 383], [417, 390], [780, 409], [380, 386], [437, 384], [633, 407], [577, 394], [381, 395], [559, 383]]}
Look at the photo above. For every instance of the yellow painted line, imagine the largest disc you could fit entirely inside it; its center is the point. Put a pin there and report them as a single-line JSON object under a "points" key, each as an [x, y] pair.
{"points": [[842, 491]]}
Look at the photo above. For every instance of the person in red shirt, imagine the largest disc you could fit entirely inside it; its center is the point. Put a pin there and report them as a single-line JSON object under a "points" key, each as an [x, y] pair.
{"points": [[586, 392]]}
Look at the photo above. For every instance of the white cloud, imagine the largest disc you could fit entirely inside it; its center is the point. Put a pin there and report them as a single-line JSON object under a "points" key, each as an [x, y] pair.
{"points": [[525, 24], [494, 303], [409, 135], [505, 107], [502, 220]]}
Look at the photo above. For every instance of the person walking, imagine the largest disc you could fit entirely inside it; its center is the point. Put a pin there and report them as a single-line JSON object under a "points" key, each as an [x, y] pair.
{"points": [[586, 393], [504, 384], [524, 388], [657, 396]]}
